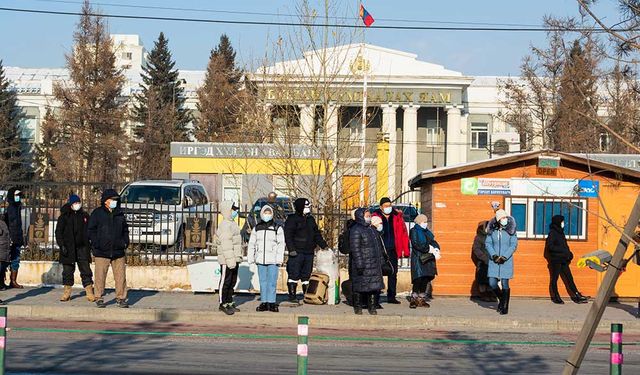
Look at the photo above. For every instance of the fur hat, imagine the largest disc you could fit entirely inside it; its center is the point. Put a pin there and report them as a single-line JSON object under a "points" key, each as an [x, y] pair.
{"points": [[422, 218], [501, 214]]}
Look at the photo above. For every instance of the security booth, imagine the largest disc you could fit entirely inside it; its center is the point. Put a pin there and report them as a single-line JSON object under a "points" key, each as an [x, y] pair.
{"points": [[594, 197]]}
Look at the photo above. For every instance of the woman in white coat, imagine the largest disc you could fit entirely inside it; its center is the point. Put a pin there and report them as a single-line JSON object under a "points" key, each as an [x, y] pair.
{"points": [[266, 249]]}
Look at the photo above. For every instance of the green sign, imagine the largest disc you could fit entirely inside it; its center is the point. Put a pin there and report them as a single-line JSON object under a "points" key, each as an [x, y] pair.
{"points": [[548, 162], [469, 186]]}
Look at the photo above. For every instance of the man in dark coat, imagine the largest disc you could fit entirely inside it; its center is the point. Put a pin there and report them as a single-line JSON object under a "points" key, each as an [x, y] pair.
{"points": [[109, 238], [366, 262], [302, 236], [13, 218], [559, 256], [73, 241]]}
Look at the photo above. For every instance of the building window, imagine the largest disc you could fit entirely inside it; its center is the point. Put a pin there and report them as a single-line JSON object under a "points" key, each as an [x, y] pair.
{"points": [[355, 130], [28, 126], [127, 55], [533, 216], [479, 135], [231, 187]]}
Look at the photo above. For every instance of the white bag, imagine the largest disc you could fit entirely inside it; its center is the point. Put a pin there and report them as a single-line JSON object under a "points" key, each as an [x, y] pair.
{"points": [[327, 263], [435, 251]]}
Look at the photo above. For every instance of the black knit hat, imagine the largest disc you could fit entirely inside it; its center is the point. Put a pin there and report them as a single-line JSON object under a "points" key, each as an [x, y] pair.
{"points": [[385, 200]]}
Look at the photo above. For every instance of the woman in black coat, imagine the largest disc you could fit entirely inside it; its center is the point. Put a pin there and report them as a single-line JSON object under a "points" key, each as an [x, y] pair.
{"points": [[423, 262], [559, 256], [366, 262], [73, 241]]}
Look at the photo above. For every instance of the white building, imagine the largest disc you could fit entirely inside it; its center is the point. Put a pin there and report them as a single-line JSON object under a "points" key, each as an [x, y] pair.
{"points": [[431, 116]]}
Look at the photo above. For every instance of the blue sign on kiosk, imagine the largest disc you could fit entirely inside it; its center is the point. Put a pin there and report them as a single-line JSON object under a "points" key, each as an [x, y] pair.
{"points": [[588, 188]]}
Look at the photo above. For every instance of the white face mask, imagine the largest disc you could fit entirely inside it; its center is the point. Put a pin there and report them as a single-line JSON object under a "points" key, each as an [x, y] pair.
{"points": [[307, 210], [267, 217], [367, 220], [379, 228], [423, 225], [504, 222], [113, 204], [562, 225], [387, 210], [76, 206]]}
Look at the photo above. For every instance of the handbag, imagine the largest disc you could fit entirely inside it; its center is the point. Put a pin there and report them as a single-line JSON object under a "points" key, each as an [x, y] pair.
{"points": [[426, 257], [387, 268]]}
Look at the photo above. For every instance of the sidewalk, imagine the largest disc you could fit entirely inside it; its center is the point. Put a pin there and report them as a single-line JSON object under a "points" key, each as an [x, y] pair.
{"points": [[446, 313]]}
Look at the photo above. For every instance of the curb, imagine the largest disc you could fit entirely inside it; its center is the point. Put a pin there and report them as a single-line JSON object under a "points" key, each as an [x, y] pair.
{"points": [[283, 319]]}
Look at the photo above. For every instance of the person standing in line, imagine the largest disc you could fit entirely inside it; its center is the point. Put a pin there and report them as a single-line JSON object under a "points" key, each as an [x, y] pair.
{"points": [[13, 217], [501, 246], [266, 249], [423, 261], [302, 237], [5, 246], [229, 243], [396, 242], [366, 263], [73, 242], [109, 238], [480, 258], [559, 256]]}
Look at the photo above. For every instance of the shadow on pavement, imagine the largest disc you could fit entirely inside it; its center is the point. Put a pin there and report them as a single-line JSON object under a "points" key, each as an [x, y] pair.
{"points": [[632, 308], [28, 294], [484, 304], [134, 296]]}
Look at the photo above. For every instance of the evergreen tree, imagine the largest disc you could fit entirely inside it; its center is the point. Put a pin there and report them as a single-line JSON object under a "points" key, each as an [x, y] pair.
{"points": [[13, 163], [160, 114], [576, 127], [91, 113], [220, 102]]}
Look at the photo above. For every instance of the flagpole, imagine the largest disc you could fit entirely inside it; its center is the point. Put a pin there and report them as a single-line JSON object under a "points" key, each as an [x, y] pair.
{"points": [[363, 128]]}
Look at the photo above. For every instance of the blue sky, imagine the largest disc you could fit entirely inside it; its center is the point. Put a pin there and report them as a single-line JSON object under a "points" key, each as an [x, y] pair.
{"points": [[32, 40]]}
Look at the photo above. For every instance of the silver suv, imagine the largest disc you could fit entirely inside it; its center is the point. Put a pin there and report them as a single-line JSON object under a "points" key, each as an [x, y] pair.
{"points": [[157, 210]]}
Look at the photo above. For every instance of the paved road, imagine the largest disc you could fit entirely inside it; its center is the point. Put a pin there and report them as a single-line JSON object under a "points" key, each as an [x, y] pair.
{"points": [[39, 347]]}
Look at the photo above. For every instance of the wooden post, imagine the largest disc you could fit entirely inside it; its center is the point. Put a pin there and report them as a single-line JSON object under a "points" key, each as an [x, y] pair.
{"points": [[604, 294]]}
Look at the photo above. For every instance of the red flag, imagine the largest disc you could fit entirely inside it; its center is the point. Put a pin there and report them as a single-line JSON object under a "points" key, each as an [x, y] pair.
{"points": [[366, 17]]}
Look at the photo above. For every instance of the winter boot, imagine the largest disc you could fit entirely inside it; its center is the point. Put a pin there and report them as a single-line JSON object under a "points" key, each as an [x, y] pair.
{"points": [[14, 280], [557, 300], [66, 295], [372, 304], [422, 301], [357, 303], [292, 292], [429, 292], [579, 298], [3, 278], [378, 305], [499, 296], [304, 288], [413, 301], [262, 307], [89, 290], [226, 308], [234, 307], [273, 307], [506, 296]]}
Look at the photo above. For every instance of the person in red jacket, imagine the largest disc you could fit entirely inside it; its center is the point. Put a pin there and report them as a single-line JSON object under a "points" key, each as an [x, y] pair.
{"points": [[396, 241]]}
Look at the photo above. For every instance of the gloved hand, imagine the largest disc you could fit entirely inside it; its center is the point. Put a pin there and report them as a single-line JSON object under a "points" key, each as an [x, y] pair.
{"points": [[495, 259], [360, 271], [231, 264], [293, 253], [501, 260]]}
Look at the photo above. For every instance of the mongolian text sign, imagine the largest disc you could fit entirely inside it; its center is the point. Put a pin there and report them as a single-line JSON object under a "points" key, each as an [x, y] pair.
{"points": [[428, 97], [242, 151]]}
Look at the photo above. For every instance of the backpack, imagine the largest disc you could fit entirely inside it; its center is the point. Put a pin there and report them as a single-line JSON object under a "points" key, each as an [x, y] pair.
{"points": [[344, 247]]}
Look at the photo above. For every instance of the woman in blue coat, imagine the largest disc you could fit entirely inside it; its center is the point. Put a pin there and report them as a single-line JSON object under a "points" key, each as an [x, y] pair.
{"points": [[501, 244]]}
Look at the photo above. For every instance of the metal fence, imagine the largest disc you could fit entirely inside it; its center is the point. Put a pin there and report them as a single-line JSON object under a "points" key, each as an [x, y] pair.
{"points": [[171, 233]]}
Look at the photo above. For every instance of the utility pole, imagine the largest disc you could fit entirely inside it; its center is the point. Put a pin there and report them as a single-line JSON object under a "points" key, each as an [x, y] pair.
{"points": [[616, 266]]}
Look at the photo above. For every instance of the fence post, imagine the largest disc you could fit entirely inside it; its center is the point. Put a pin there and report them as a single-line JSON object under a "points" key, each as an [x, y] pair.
{"points": [[303, 347], [3, 337], [615, 365]]}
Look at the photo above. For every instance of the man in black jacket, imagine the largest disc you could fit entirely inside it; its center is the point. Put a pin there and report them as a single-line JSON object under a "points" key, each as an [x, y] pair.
{"points": [[302, 236], [72, 239], [559, 256], [14, 222], [109, 237]]}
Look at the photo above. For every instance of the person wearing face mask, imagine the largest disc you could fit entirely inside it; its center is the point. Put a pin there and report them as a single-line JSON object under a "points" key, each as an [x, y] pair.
{"points": [[396, 241], [266, 249], [13, 218], [302, 237], [559, 256], [501, 245], [423, 261], [365, 263], [109, 238], [73, 242], [229, 244]]}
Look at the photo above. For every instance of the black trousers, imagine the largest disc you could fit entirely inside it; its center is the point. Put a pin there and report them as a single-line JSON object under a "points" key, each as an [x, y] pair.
{"points": [[392, 281], [85, 273], [420, 284], [300, 267], [228, 280], [561, 270]]}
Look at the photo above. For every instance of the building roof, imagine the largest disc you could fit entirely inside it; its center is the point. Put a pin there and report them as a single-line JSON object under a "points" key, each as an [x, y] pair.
{"points": [[516, 158]]}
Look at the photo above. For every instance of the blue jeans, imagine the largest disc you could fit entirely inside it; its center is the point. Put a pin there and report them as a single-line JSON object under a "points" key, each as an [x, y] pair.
{"points": [[493, 283], [268, 275]]}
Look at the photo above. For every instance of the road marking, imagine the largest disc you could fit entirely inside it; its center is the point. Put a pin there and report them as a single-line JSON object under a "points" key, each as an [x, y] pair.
{"points": [[318, 338]]}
